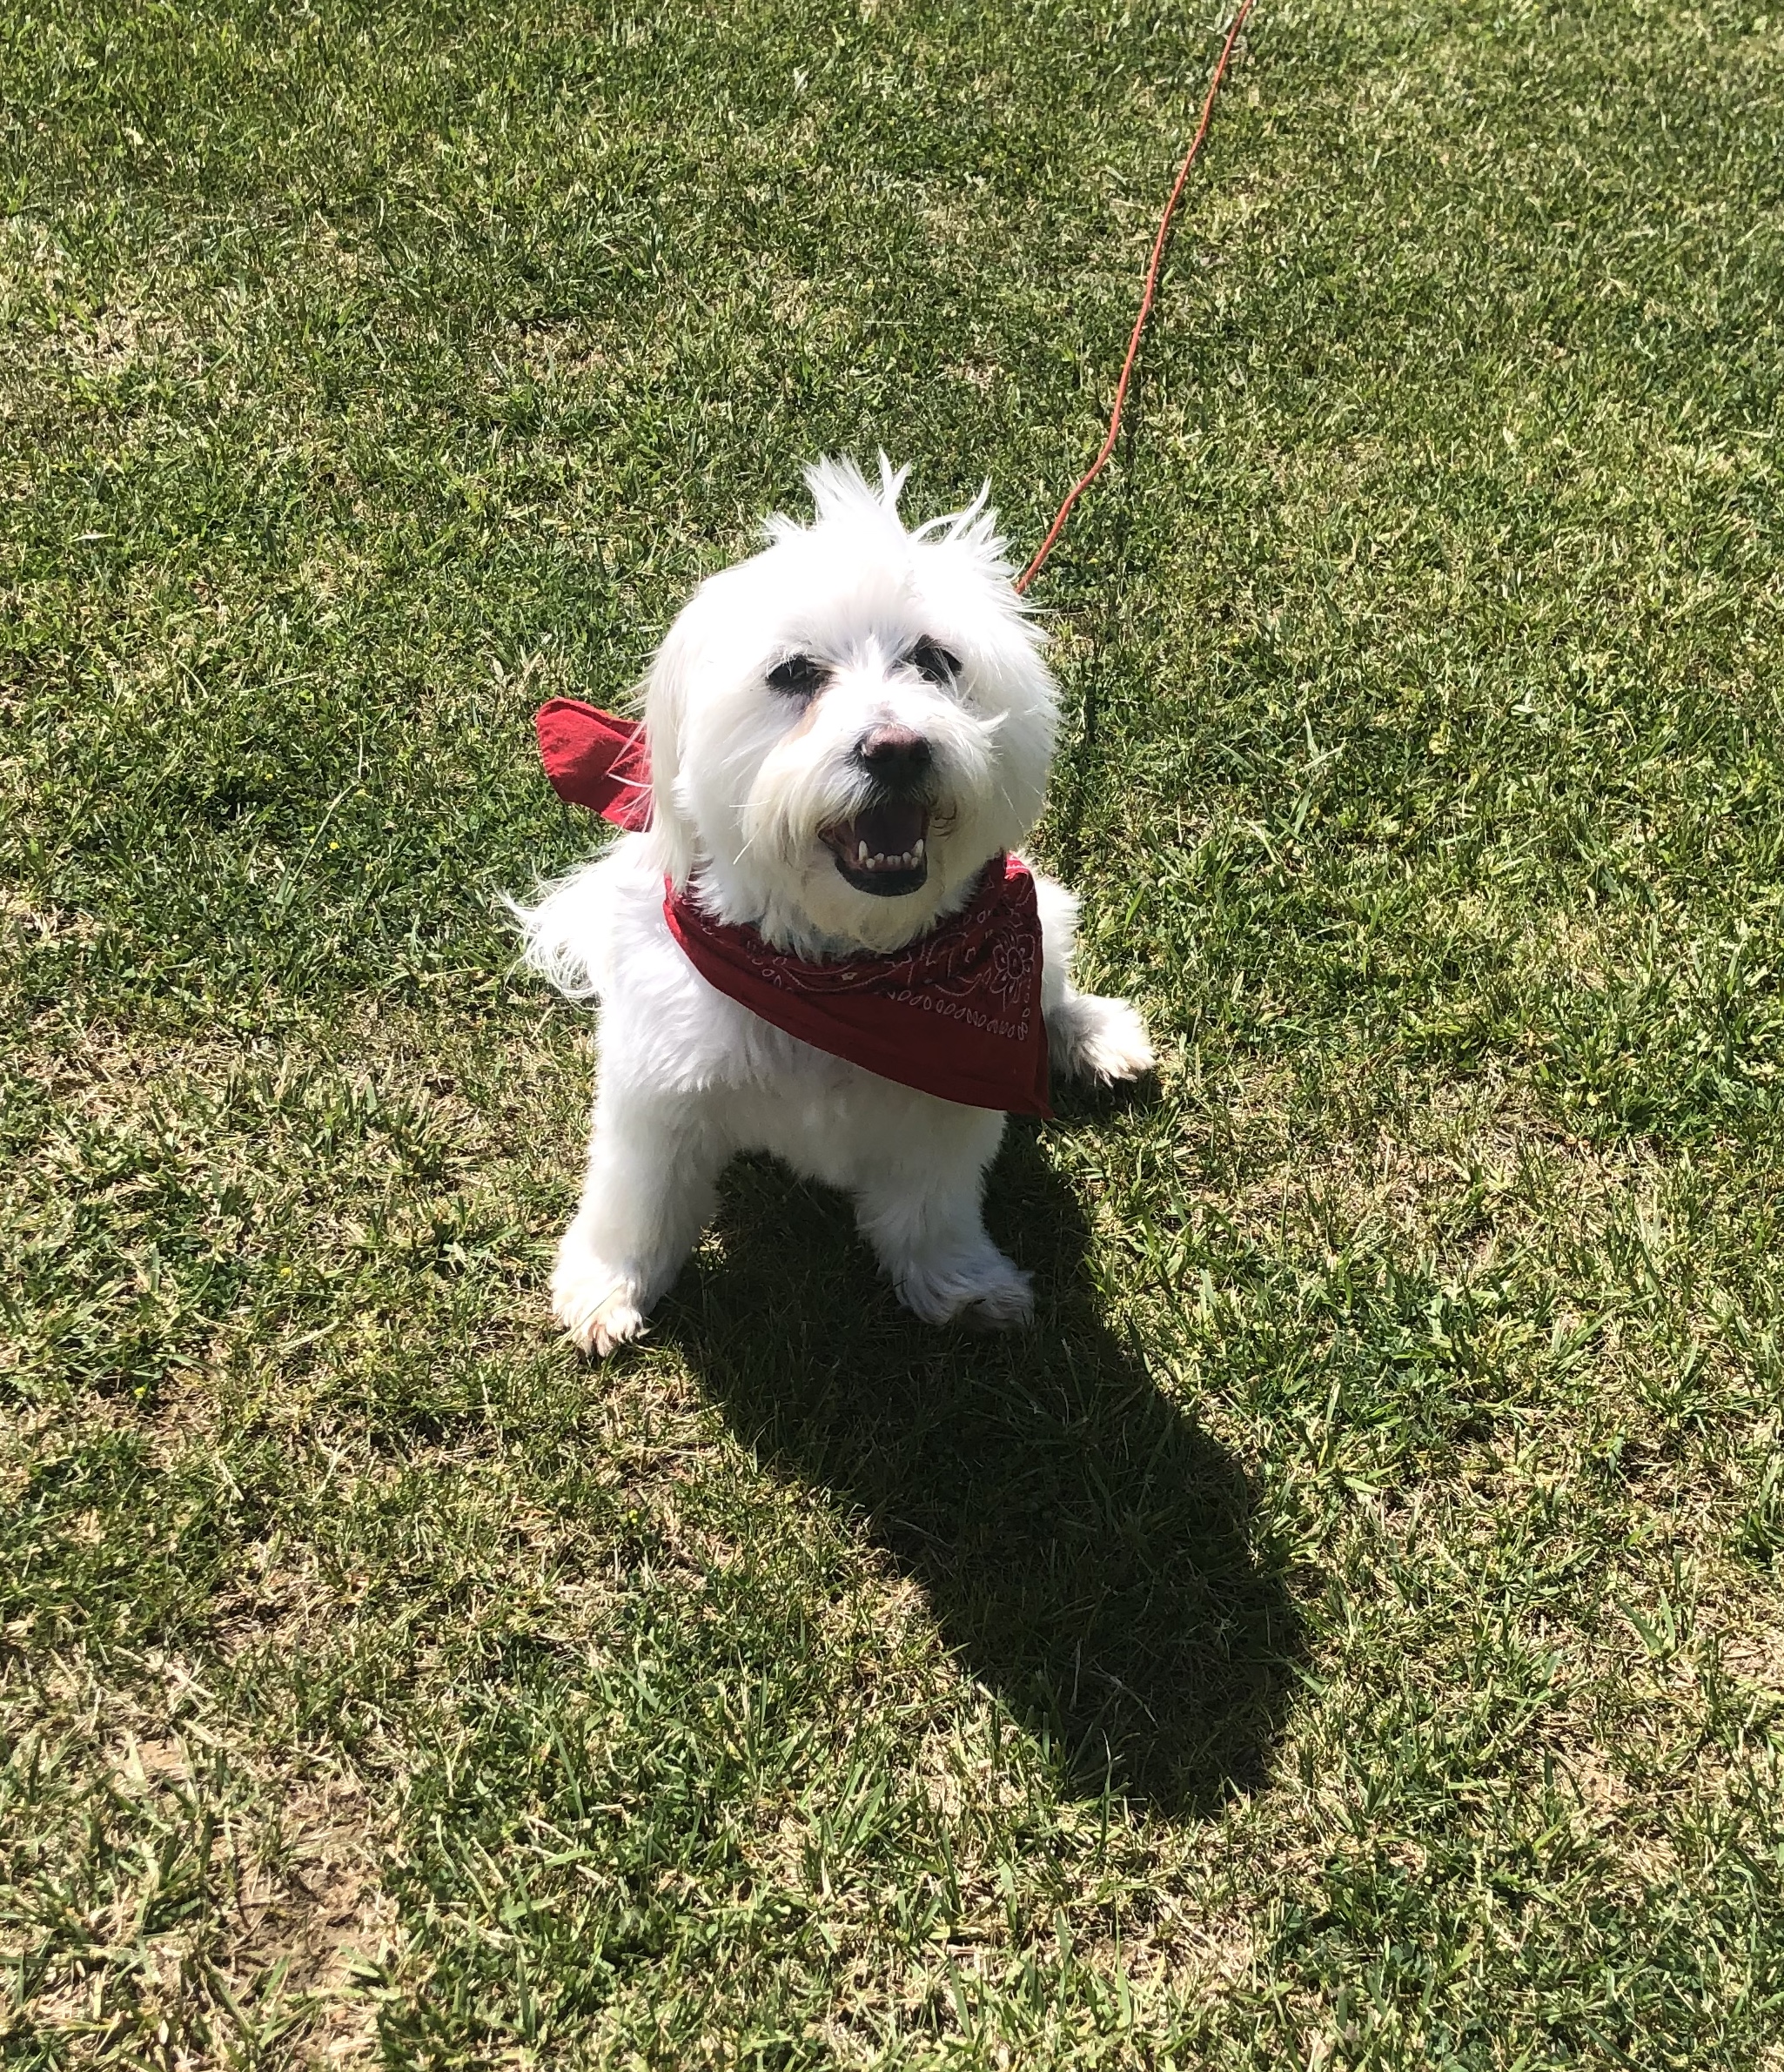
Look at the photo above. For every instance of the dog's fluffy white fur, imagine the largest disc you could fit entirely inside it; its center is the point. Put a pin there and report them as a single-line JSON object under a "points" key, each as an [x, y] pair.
{"points": [[846, 631]]}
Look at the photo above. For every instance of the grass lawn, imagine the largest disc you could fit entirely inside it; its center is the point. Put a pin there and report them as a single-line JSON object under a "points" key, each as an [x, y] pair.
{"points": [[1349, 1631]]}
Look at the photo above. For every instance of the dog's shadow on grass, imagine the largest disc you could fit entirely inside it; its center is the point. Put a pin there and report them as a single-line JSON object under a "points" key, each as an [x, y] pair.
{"points": [[1082, 1543]]}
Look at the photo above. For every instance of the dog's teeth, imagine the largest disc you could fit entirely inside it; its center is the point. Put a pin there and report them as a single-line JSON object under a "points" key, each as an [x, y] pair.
{"points": [[860, 854], [916, 853], [879, 860]]}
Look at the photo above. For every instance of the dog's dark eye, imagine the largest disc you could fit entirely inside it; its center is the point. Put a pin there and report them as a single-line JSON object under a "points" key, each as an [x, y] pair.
{"points": [[928, 658], [803, 675]]}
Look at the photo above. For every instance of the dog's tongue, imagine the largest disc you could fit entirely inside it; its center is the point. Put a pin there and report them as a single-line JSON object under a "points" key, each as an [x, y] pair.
{"points": [[890, 830]]}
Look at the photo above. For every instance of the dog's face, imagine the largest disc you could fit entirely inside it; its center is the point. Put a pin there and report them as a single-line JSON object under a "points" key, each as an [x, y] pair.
{"points": [[844, 729]]}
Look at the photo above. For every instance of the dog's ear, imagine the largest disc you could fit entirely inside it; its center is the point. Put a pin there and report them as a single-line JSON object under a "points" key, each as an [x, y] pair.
{"points": [[665, 715]]}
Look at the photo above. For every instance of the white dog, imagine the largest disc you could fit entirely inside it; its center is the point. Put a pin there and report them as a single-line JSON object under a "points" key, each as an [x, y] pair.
{"points": [[844, 732]]}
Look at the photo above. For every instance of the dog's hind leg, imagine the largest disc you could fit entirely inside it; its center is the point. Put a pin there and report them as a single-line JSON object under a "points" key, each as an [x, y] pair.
{"points": [[649, 1191], [1089, 1036]]}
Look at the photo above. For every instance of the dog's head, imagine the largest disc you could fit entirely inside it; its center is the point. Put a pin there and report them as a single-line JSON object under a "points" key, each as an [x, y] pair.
{"points": [[846, 727]]}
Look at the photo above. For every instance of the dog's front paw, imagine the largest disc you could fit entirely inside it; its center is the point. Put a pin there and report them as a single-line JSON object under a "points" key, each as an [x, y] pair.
{"points": [[1007, 1305], [596, 1306], [987, 1292], [1093, 1038]]}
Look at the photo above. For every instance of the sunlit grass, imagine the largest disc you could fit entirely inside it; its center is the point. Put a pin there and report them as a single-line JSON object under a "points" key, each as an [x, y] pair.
{"points": [[1346, 1632]]}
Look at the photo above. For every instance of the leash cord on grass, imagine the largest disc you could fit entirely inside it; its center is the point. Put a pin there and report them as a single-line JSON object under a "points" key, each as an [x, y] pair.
{"points": [[1096, 466]]}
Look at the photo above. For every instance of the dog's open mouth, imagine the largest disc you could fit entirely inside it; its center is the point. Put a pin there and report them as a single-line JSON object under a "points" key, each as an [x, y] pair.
{"points": [[884, 849]]}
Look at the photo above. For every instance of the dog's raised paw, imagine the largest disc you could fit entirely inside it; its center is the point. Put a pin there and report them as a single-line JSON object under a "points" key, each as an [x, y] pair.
{"points": [[1100, 1039]]}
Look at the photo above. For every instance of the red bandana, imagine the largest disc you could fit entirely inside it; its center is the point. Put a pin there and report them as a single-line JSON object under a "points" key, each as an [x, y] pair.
{"points": [[956, 1014], [595, 759]]}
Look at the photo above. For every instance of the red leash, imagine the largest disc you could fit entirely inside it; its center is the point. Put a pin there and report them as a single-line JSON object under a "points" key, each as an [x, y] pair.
{"points": [[1096, 466]]}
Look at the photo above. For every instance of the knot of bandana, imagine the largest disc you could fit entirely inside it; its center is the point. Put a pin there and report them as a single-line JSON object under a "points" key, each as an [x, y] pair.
{"points": [[955, 1014]]}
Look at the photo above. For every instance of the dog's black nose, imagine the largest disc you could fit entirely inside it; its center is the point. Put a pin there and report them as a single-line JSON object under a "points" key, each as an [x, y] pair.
{"points": [[896, 756]]}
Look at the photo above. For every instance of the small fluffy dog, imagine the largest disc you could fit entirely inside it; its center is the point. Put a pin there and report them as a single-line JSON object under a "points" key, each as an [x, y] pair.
{"points": [[844, 731]]}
